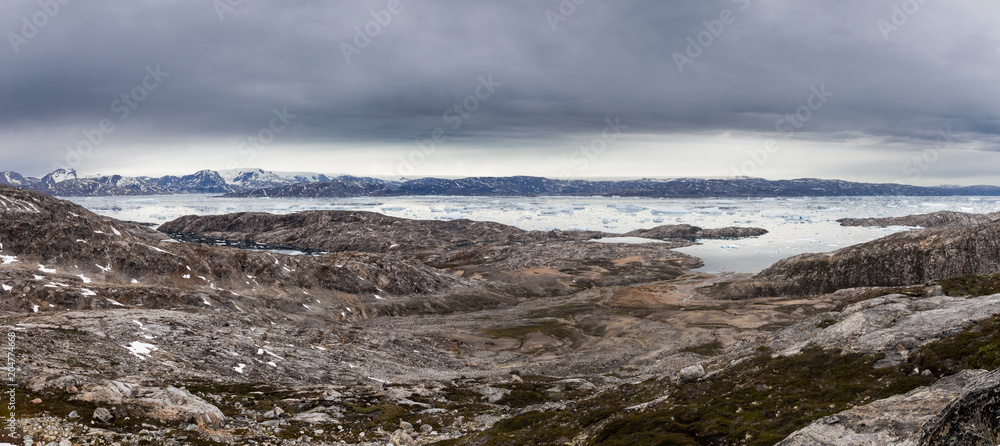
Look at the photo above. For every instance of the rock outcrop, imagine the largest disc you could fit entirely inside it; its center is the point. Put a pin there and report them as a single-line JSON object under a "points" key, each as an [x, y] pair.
{"points": [[905, 258], [960, 410], [695, 232], [894, 421], [936, 219], [893, 325], [167, 405], [971, 419]]}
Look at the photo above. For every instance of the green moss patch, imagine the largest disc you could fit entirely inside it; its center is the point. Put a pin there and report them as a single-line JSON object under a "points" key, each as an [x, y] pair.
{"points": [[710, 349], [757, 402], [761, 401], [549, 327], [978, 347], [983, 285], [560, 427]]}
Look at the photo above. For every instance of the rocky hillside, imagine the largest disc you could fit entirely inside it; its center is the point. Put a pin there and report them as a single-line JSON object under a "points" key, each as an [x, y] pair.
{"points": [[334, 231], [525, 263], [58, 238], [943, 218], [464, 333], [905, 258]]}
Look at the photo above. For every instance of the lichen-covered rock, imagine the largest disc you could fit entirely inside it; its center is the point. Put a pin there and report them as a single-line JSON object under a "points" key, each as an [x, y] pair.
{"points": [[401, 438], [692, 373], [170, 404], [103, 415]]}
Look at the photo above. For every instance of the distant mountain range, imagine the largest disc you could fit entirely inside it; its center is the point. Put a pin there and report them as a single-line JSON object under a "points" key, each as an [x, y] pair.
{"points": [[67, 183], [262, 183]]}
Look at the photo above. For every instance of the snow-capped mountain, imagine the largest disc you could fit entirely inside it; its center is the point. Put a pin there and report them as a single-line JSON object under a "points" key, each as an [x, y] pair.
{"points": [[305, 177], [66, 182], [254, 178], [59, 175], [12, 178]]}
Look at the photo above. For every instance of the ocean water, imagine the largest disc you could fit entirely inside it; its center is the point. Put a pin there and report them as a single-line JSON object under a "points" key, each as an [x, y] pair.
{"points": [[796, 225]]}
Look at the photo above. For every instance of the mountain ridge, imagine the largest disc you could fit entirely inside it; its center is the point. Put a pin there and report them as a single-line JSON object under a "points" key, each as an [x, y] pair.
{"points": [[258, 182]]}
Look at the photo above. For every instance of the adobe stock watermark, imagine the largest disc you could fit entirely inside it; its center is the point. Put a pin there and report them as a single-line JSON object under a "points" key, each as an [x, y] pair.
{"points": [[456, 116], [922, 162], [122, 108], [256, 143], [900, 16], [592, 151], [364, 35], [30, 27], [10, 395], [565, 9], [223, 7], [787, 125], [714, 29]]}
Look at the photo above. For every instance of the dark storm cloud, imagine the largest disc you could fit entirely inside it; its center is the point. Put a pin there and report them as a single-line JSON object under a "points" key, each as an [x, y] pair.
{"points": [[564, 68]]}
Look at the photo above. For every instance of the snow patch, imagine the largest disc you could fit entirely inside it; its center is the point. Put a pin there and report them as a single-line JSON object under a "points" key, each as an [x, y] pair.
{"points": [[141, 350], [156, 249]]}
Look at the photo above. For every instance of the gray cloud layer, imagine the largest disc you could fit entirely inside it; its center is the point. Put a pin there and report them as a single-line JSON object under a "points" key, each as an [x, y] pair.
{"points": [[230, 62]]}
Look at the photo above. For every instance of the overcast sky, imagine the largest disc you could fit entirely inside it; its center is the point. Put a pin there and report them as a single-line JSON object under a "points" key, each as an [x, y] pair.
{"points": [[658, 88]]}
